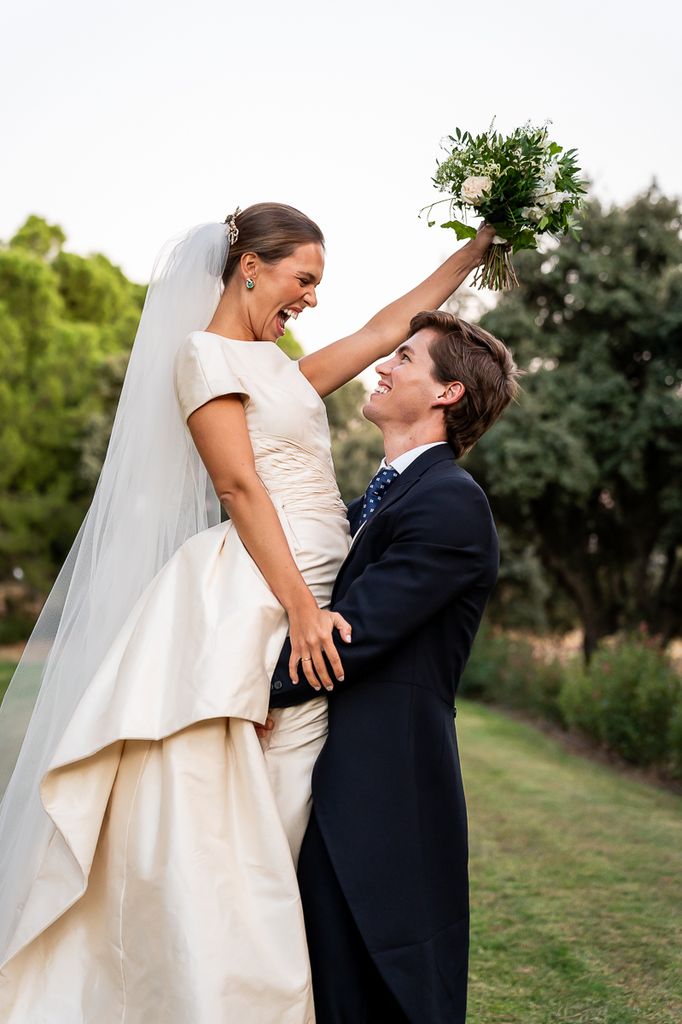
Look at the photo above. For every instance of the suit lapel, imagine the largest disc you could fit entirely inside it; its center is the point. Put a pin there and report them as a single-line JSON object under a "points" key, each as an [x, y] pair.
{"points": [[412, 474], [354, 510], [398, 489]]}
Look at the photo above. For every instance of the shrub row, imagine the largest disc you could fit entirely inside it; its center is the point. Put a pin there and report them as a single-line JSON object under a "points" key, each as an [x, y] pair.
{"points": [[627, 700]]}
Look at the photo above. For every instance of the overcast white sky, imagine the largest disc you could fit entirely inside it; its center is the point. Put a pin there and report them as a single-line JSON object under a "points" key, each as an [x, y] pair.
{"points": [[130, 121]]}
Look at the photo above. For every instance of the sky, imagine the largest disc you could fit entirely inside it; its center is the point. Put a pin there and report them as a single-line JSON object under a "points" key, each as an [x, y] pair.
{"points": [[126, 123]]}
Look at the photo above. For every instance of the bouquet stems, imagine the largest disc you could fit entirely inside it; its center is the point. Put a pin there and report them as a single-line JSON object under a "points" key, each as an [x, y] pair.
{"points": [[497, 270]]}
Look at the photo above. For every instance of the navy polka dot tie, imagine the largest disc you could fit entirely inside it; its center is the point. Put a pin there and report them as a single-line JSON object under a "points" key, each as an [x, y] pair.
{"points": [[378, 486]]}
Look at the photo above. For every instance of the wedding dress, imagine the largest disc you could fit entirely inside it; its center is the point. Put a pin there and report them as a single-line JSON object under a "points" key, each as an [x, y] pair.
{"points": [[168, 892]]}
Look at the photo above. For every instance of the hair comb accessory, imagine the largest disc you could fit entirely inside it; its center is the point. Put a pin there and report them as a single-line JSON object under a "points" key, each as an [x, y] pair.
{"points": [[231, 224]]}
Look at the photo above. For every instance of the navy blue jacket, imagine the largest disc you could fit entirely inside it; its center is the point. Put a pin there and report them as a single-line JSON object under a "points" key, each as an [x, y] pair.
{"points": [[387, 787]]}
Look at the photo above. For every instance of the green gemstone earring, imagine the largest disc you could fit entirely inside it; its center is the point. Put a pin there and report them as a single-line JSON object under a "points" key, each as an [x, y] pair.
{"points": [[250, 283]]}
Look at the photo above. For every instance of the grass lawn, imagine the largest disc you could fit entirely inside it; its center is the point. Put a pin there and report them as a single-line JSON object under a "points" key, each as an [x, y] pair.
{"points": [[576, 883]]}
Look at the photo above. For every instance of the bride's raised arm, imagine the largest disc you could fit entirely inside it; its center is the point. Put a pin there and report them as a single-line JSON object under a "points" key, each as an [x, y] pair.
{"points": [[332, 366]]}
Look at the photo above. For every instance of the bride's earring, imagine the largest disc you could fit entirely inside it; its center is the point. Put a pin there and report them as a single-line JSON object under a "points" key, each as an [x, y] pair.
{"points": [[250, 283]]}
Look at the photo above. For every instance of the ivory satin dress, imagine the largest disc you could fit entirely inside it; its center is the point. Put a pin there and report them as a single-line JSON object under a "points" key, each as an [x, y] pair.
{"points": [[169, 893]]}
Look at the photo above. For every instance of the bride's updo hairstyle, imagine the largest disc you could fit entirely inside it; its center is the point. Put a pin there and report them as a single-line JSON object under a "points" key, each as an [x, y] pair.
{"points": [[272, 231]]}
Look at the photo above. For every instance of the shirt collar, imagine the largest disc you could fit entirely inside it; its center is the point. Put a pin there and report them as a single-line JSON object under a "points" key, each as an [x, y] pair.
{"points": [[401, 462]]}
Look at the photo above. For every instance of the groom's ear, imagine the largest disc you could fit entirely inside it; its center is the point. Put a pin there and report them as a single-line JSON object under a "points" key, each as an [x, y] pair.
{"points": [[450, 394]]}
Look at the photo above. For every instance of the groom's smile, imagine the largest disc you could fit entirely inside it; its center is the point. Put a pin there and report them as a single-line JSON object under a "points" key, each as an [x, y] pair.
{"points": [[406, 382]]}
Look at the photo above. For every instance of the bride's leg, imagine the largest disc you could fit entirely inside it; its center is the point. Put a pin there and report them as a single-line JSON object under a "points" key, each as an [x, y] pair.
{"points": [[291, 749]]}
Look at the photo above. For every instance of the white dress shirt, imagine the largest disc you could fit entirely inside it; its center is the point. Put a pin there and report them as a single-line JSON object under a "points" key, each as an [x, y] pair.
{"points": [[401, 462]]}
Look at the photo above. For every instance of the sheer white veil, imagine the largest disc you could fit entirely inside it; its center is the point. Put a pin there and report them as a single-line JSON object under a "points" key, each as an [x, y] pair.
{"points": [[152, 495]]}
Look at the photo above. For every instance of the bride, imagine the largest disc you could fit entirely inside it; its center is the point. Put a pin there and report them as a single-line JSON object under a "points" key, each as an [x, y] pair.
{"points": [[147, 840]]}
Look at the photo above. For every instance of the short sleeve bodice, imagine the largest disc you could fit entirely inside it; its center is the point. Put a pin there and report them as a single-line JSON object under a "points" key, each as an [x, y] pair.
{"points": [[204, 371], [286, 418]]}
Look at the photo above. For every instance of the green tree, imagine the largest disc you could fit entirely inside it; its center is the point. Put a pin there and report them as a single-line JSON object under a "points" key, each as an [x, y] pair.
{"points": [[587, 468], [357, 445], [39, 237], [289, 345], [62, 319]]}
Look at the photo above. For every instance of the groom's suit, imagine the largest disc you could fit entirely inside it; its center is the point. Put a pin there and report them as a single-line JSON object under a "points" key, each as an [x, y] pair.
{"points": [[383, 866]]}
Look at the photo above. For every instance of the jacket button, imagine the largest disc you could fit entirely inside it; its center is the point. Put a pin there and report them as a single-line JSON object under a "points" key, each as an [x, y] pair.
{"points": [[277, 685]]}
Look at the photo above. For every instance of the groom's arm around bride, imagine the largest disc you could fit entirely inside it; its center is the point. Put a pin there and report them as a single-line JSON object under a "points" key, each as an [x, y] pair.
{"points": [[383, 868]]}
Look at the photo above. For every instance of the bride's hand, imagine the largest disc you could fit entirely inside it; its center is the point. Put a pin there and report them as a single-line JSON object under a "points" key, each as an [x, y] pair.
{"points": [[311, 639], [479, 245]]}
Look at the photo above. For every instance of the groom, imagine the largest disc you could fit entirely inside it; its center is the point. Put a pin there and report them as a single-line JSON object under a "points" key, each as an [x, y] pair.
{"points": [[383, 867]]}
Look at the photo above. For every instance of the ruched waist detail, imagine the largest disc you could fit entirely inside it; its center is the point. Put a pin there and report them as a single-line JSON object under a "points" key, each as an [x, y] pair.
{"points": [[297, 476]]}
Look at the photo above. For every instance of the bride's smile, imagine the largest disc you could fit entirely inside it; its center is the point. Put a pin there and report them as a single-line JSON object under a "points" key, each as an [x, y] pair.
{"points": [[293, 280], [279, 291]]}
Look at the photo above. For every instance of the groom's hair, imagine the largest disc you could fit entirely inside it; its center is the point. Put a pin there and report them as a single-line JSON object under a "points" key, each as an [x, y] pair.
{"points": [[482, 363]]}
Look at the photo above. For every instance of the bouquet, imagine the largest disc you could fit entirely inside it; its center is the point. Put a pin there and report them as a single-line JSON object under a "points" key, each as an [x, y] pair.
{"points": [[524, 185]]}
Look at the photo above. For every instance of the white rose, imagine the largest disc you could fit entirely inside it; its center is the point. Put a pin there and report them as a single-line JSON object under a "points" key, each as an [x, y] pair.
{"points": [[534, 213], [474, 187]]}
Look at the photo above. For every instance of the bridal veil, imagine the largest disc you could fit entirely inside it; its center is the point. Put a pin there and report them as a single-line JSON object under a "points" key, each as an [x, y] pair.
{"points": [[153, 494]]}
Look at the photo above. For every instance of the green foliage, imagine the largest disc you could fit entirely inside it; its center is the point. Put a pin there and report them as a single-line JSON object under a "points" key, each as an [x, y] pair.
{"points": [[587, 469], [504, 670], [523, 184], [64, 320], [627, 700], [357, 445], [624, 699], [93, 290], [29, 295], [37, 236], [523, 598], [675, 738], [289, 345], [461, 230]]}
